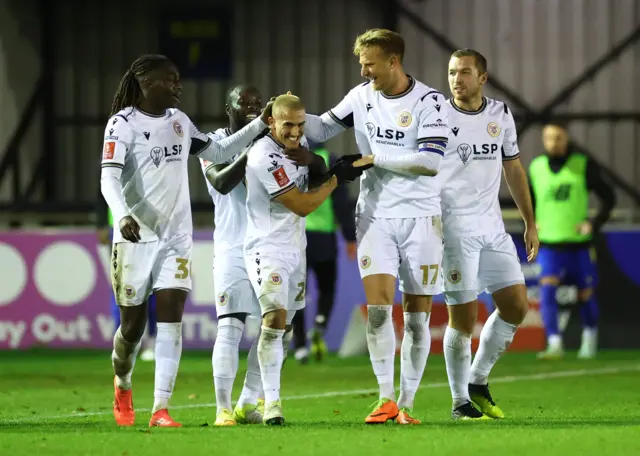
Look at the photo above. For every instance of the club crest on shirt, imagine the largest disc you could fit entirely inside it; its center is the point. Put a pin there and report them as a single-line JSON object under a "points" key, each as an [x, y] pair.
{"points": [[464, 152], [493, 129], [365, 262], [178, 128], [275, 279], [404, 119]]}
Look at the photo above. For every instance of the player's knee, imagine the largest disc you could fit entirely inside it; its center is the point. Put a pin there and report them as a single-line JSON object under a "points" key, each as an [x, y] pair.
{"points": [[133, 321], [549, 280], [276, 319], [377, 317], [415, 327], [512, 302], [585, 294], [462, 317]]}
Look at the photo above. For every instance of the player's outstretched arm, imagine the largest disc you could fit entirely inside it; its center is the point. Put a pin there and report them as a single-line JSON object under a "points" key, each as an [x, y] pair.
{"points": [[221, 150], [224, 178], [324, 127], [425, 162], [304, 203]]}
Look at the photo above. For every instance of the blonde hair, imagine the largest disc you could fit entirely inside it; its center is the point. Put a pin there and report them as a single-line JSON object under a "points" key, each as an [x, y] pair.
{"points": [[390, 42], [286, 102]]}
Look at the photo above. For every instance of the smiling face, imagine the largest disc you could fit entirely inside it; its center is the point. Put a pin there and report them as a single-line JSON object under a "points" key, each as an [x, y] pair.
{"points": [[243, 106], [287, 126], [378, 67]]}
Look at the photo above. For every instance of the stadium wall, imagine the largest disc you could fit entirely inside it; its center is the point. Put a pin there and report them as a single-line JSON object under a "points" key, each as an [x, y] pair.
{"points": [[55, 292], [20, 69], [535, 46]]}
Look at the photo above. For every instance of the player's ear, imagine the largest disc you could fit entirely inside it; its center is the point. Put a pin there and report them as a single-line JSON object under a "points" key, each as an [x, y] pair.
{"points": [[272, 122], [227, 110], [484, 77]]}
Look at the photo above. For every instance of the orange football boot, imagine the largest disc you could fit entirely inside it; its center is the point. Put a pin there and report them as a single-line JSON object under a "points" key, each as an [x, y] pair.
{"points": [[162, 419], [123, 406], [385, 410]]}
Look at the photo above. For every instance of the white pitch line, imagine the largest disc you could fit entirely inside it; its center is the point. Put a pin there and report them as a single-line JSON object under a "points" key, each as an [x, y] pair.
{"points": [[507, 379]]}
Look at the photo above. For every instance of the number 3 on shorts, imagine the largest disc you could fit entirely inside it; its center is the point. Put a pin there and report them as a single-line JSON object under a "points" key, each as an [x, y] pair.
{"points": [[425, 273], [183, 268]]}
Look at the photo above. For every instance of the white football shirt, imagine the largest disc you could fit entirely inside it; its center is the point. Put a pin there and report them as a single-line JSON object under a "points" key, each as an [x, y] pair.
{"points": [[471, 169], [152, 152], [271, 227], [395, 125], [230, 215]]}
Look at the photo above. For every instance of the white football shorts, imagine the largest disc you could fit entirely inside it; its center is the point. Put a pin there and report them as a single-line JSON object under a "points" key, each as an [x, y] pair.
{"points": [[138, 269], [278, 279], [474, 264], [234, 293], [410, 249]]}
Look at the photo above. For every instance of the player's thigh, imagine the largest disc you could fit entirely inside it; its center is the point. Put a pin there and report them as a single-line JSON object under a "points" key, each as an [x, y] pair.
{"points": [[234, 293], [377, 246], [460, 267], [172, 268], [420, 247], [270, 278], [297, 284], [131, 271], [499, 263]]}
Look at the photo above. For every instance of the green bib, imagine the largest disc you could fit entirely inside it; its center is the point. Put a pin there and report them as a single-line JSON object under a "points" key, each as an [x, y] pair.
{"points": [[322, 219], [110, 218], [562, 199]]}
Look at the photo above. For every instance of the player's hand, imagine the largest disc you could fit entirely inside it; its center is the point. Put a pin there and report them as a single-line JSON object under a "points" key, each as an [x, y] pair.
{"points": [[352, 250], [364, 163], [104, 237], [129, 229], [267, 111], [300, 156], [584, 228], [344, 170], [531, 242]]}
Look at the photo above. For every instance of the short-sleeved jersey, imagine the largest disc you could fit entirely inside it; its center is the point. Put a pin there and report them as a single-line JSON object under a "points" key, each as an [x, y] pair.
{"points": [[394, 125], [230, 211], [471, 170], [271, 227], [152, 152]]}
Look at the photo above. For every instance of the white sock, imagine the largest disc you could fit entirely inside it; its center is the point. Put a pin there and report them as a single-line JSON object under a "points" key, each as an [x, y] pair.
{"points": [[270, 356], [495, 338], [225, 359], [457, 357], [416, 344], [168, 351], [252, 388], [381, 341], [123, 359], [286, 343]]}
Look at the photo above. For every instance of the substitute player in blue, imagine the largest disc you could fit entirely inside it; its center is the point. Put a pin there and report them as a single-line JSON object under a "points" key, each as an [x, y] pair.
{"points": [[561, 181]]}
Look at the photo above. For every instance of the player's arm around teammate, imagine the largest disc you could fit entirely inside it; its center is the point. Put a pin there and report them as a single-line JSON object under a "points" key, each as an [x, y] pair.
{"points": [[277, 202]]}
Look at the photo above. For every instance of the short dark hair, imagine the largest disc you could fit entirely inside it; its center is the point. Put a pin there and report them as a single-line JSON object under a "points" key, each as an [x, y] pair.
{"points": [[235, 91], [481, 61]]}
